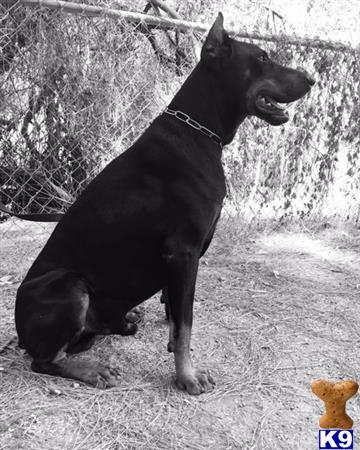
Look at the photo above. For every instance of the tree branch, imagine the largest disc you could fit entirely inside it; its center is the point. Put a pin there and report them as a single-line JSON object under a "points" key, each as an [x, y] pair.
{"points": [[166, 8]]}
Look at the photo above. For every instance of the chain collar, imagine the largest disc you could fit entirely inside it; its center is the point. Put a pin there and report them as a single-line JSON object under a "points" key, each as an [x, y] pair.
{"points": [[192, 123]]}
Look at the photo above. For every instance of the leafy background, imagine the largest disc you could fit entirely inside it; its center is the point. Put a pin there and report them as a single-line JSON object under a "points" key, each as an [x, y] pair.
{"points": [[77, 91]]}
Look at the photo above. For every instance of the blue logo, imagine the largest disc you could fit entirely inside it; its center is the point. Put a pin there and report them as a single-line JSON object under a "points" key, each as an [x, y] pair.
{"points": [[339, 439]]}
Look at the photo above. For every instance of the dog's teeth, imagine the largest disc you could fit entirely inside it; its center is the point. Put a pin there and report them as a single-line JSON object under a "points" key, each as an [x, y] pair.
{"points": [[269, 103]]}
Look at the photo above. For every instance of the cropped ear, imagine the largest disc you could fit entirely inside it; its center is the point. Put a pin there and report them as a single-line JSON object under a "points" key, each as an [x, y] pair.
{"points": [[217, 41]]}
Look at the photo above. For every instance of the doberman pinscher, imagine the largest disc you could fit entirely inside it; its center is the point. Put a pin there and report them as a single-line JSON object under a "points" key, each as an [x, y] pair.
{"points": [[143, 223]]}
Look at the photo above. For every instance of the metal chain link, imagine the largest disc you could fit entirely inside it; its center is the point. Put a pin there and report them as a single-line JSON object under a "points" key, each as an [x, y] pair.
{"points": [[196, 125]]}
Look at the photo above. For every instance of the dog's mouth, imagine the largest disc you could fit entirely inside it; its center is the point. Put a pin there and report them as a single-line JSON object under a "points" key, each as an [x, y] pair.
{"points": [[267, 108]]}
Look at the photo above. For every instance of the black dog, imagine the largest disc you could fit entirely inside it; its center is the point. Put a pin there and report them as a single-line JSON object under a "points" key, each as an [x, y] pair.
{"points": [[143, 223]]}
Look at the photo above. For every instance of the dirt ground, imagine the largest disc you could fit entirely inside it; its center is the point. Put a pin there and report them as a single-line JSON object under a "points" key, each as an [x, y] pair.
{"points": [[274, 311]]}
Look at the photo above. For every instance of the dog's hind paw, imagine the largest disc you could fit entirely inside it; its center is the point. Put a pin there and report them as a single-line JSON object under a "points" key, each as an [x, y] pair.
{"points": [[127, 328], [197, 382], [135, 315], [96, 374], [101, 376]]}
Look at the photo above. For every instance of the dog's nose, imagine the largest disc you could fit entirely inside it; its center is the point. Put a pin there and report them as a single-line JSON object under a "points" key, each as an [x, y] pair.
{"points": [[309, 78]]}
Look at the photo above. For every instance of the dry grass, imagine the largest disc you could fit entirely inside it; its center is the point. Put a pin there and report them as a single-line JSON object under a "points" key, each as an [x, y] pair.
{"points": [[274, 311]]}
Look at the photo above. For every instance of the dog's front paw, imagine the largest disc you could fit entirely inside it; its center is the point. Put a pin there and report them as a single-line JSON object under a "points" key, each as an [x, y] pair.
{"points": [[196, 382]]}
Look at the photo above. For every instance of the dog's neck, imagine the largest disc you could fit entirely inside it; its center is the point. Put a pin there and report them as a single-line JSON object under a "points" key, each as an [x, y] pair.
{"points": [[202, 98]]}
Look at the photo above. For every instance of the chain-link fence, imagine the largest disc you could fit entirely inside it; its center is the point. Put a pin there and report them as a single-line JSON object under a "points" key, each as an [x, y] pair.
{"points": [[76, 90]]}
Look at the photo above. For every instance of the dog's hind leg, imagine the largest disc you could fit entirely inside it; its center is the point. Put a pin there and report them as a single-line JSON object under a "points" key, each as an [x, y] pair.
{"points": [[82, 343], [51, 314]]}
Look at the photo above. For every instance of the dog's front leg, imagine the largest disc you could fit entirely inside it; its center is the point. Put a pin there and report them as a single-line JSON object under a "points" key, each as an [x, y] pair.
{"points": [[182, 265]]}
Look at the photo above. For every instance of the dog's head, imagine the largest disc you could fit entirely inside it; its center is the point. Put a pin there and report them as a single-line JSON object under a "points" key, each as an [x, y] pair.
{"points": [[254, 82]]}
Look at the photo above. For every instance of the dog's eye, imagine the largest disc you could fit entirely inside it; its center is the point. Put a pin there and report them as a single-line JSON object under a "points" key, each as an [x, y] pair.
{"points": [[263, 58]]}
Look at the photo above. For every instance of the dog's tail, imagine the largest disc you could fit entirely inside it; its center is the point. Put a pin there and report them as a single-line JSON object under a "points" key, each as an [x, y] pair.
{"points": [[40, 217]]}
